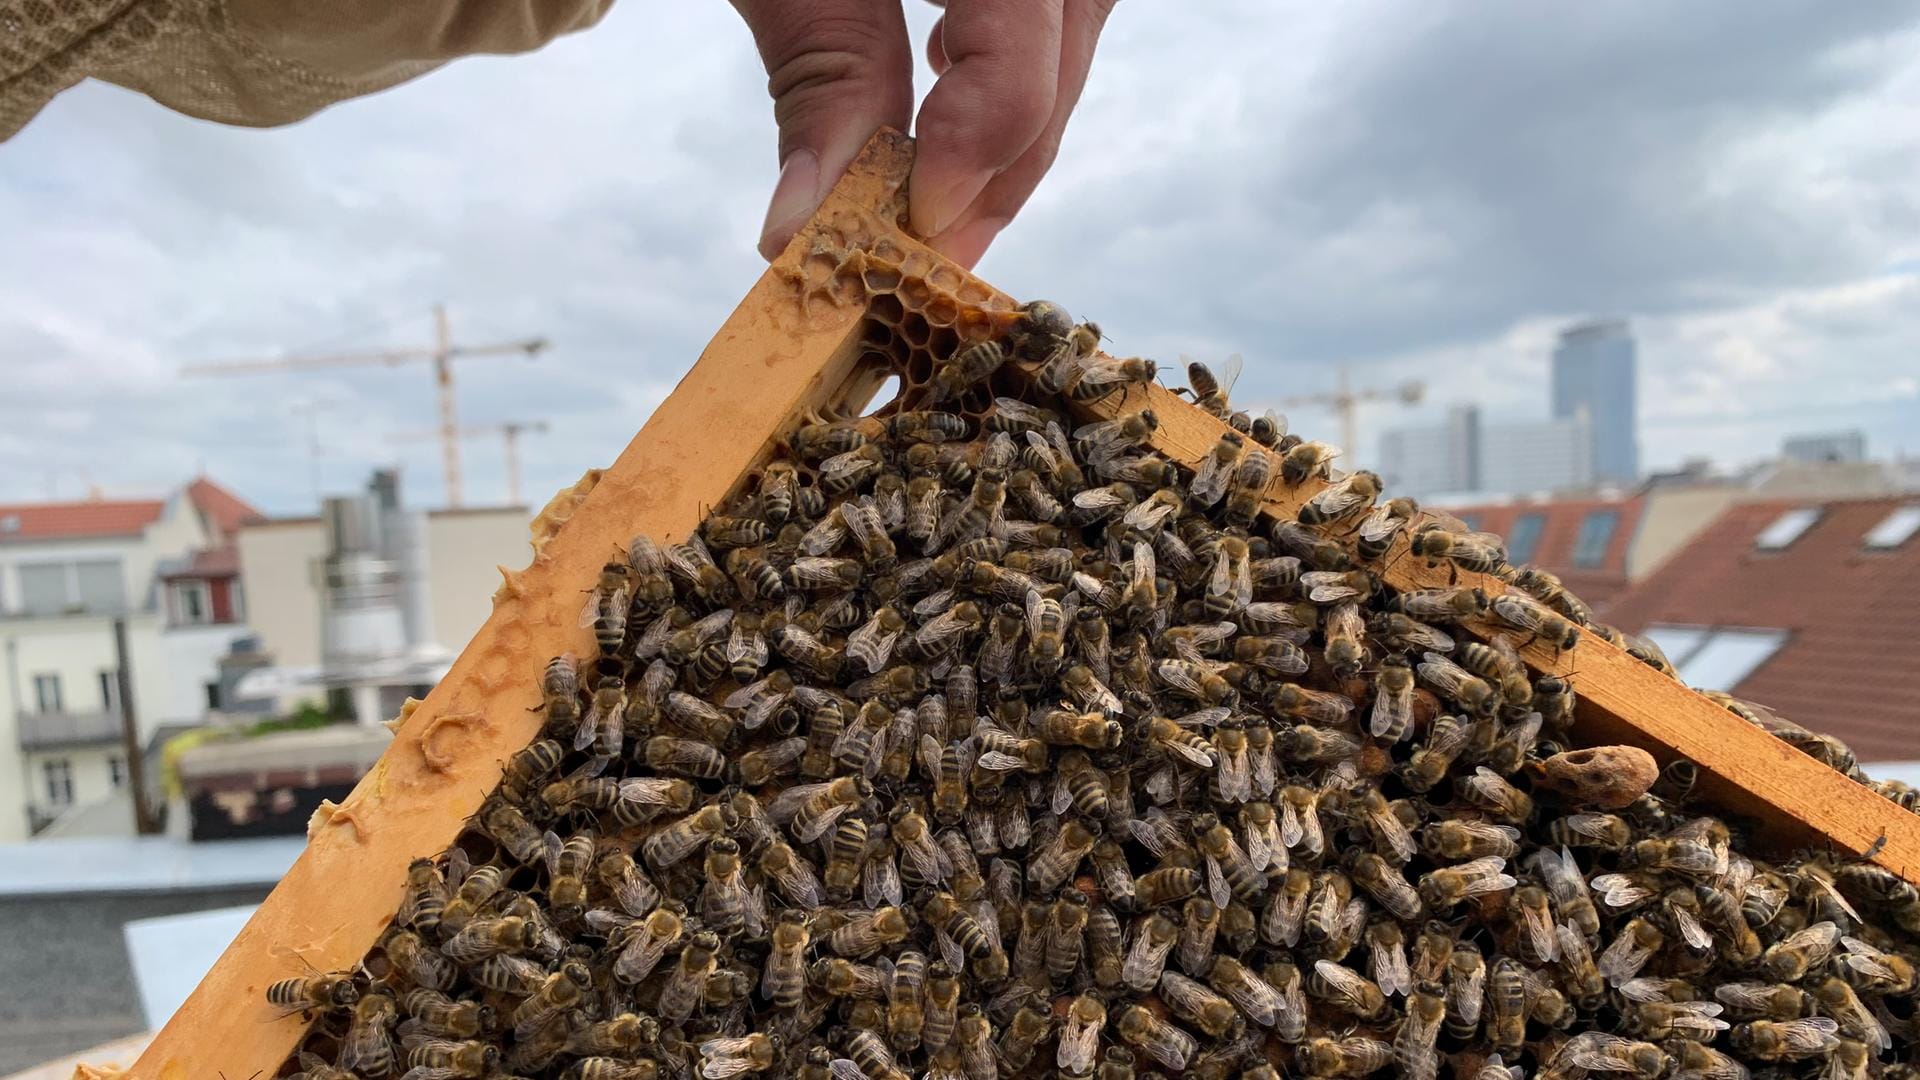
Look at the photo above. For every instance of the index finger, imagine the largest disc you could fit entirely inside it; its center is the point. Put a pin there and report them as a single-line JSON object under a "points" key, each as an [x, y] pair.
{"points": [[989, 106]]}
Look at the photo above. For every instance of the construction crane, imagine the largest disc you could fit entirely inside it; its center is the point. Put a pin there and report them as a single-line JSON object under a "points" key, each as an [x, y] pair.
{"points": [[509, 432], [1346, 401], [442, 353]]}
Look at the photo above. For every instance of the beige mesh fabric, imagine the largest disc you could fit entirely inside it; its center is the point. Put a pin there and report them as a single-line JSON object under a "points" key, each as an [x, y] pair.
{"points": [[256, 62]]}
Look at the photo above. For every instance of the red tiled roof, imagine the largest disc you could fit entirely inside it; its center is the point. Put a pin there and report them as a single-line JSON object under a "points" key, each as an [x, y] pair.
{"points": [[1560, 534], [207, 563], [59, 521], [225, 512], [1853, 614]]}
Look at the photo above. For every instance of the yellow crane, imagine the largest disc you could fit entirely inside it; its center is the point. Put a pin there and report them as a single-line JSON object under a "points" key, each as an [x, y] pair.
{"points": [[1345, 402], [509, 431], [442, 353]]}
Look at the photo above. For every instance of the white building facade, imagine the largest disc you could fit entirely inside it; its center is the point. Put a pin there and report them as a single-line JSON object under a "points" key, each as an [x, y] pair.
{"points": [[68, 572]]}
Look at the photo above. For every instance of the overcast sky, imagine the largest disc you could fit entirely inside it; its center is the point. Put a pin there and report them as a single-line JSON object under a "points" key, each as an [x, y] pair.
{"points": [[1404, 189]]}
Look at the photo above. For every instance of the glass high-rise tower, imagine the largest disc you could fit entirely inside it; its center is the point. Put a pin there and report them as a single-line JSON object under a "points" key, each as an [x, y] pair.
{"points": [[1593, 372]]}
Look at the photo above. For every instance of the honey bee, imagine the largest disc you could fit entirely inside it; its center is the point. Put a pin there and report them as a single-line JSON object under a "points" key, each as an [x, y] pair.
{"points": [[1382, 526], [1248, 488], [1318, 707], [1482, 553], [1159, 1040], [415, 961], [1549, 590], [1786, 1040], [1392, 717], [444, 1059], [1387, 885], [1630, 950], [1342, 499], [725, 903], [1596, 1051], [1449, 605], [1215, 472], [1353, 1056], [867, 933], [1447, 886], [1349, 991], [558, 993], [1066, 934], [1541, 623], [1099, 377], [567, 864], [1491, 792], [483, 938], [1054, 863], [1306, 461], [969, 366], [1460, 840], [642, 945], [367, 1048], [734, 1056], [1199, 1005], [1022, 1037], [682, 838], [686, 983], [442, 1017], [560, 696]]}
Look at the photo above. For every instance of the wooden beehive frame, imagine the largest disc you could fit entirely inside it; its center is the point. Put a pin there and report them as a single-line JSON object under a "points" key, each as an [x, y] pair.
{"points": [[793, 346]]}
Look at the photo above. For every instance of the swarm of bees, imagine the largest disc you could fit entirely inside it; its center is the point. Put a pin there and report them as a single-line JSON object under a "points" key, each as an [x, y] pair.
{"points": [[973, 742]]}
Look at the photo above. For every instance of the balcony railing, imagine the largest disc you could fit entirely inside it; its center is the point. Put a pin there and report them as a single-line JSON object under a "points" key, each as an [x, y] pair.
{"points": [[56, 730]]}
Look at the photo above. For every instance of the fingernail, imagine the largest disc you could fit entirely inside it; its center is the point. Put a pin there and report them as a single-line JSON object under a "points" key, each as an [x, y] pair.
{"points": [[795, 198], [937, 213], [970, 241]]}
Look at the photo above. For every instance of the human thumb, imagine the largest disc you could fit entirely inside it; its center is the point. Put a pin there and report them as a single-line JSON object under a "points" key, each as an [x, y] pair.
{"points": [[837, 70]]}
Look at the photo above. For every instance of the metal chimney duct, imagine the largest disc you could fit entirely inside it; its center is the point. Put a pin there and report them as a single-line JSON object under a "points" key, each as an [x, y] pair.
{"points": [[362, 619]]}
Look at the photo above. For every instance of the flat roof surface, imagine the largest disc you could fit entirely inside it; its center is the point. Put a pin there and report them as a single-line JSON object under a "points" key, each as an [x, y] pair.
{"points": [[142, 864]]}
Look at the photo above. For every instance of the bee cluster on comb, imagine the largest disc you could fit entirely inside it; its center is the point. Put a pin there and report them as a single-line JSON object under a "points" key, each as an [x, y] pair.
{"points": [[970, 741]]}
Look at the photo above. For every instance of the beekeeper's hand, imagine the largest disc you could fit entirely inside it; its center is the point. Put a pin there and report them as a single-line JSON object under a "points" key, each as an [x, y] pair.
{"points": [[1009, 73]]}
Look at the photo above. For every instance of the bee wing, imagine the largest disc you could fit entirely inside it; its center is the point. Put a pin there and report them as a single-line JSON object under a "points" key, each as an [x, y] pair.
{"points": [[1690, 929], [1211, 480], [880, 882], [1392, 712], [1149, 514], [1809, 1035], [1229, 373], [847, 464], [1344, 981], [1540, 930], [590, 613], [1390, 971], [1597, 1052], [550, 842], [1396, 836], [589, 728], [1327, 587], [762, 711], [1217, 887], [927, 860], [995, 761], [1381, 523], [1099, 499], [1062, 795], [844, 1069]]}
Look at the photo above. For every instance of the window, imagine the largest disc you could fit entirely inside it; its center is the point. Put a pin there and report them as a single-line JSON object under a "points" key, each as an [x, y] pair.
{"points": [[58, 775], [213, 695], [1895, 529], [43, 588], [1716, 657], [98, 585], [1787, 528], [57, 588], [1524, 537], [192, 606], [1596, 532], [109, 691], [117, 770], [46, 693]]}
